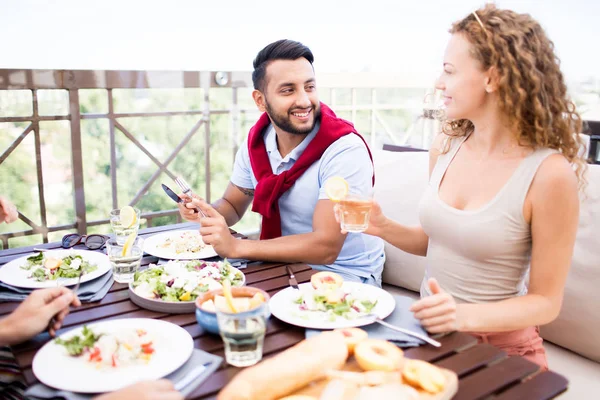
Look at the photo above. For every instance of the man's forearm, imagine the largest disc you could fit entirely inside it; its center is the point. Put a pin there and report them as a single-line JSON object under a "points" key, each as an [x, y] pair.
{"points": [[309, 248], [227, 211]]}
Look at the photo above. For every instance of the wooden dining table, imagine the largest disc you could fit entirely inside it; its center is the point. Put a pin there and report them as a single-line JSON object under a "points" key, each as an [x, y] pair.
{"points": [[483, 369]]}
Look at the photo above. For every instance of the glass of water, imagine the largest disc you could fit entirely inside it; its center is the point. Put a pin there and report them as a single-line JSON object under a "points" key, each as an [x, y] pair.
{"points": [[122, 232], [125, 263], [243, 334]]}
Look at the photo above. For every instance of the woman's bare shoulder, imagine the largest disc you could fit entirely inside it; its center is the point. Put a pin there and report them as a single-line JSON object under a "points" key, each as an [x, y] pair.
{"points": [[554, 179]]}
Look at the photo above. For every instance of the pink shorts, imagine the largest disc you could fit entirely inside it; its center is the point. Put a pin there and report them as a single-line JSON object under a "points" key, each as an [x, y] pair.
{"points": [[523, 342]]}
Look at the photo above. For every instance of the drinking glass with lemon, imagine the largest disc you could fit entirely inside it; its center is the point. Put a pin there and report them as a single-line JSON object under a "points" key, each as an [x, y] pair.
{"points": [[125, 251], [124, 222], [353, 207], [125, 258]]}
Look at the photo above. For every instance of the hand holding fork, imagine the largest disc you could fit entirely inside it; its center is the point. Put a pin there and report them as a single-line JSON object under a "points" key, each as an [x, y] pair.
{"points": [[187, 190], [57, 318]]}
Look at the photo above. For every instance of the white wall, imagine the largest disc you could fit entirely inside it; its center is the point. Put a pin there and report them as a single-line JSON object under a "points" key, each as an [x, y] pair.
{"points": [[376, 35]]}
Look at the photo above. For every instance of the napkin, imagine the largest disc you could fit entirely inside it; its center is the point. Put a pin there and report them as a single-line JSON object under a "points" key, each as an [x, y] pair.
{"points": [[199, 357], [401, 317], [93, 290]]}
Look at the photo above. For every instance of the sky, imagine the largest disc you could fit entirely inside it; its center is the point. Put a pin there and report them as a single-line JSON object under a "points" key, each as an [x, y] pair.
{"points": [[391, 36]]}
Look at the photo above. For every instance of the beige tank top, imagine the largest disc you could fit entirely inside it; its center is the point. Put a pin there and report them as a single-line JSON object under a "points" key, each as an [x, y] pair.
{"points": [[482, 255]]}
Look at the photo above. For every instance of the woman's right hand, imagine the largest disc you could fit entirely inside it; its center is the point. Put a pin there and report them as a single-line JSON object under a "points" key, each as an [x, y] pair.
{"points": [[377, 220]]}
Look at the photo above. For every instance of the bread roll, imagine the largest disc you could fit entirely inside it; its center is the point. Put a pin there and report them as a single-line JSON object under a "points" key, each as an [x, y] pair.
{"points": [[289, 370]]}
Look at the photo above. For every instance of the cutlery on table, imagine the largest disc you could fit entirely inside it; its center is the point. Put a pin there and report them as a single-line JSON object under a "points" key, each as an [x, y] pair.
{"points": [[190, 377], [293, 282], [424, 338]]}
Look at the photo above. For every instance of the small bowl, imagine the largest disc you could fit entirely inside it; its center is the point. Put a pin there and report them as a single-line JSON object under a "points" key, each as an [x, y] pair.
{"points": [[208, 319]]}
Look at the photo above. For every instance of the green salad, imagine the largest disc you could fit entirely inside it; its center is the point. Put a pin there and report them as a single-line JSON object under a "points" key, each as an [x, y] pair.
{"points": [[184, 280], [77, 344], [50, 268], [331, 304]]}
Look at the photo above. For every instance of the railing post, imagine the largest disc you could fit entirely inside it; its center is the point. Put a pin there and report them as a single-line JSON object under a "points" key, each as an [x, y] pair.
{"points": [[38, 163], [205, 83], [235, 122], [113, 149], [77, 160]]}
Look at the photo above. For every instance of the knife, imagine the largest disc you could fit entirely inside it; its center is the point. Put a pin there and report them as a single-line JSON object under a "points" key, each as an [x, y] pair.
{"points": [[293, 282], [172, 194], [190, 377]]}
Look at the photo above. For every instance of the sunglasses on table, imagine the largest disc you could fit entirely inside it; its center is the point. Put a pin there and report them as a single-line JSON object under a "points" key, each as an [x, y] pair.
{"points": [[92, 242]]}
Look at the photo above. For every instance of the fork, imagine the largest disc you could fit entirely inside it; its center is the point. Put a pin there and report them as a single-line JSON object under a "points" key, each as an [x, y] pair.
{"points": [[424, 338], [187, 190], [74, 290]]}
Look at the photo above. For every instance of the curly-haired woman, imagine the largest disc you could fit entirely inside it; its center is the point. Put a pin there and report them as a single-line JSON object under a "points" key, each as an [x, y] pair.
{"points": [[502, 202]]}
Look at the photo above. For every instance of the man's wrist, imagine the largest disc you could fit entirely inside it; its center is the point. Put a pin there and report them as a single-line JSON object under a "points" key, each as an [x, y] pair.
{"points": [[237, 248]]}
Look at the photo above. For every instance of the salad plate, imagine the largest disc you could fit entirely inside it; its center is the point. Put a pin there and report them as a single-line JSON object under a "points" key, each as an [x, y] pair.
{"points": [[43, 269], [351, 305], [179, 245], [110, 355], [174, 286]]}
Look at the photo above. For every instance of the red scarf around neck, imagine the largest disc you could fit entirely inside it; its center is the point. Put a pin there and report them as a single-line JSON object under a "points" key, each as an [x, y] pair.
{"points": [[270, 187]]}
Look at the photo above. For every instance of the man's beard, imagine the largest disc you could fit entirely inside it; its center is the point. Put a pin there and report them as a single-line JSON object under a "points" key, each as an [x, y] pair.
{"points": [[283, 121]]}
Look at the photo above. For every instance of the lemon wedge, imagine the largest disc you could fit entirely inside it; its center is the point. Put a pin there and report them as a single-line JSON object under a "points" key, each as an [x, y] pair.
{"points": [[228, 295], [336, 188], [185, 297], [127, 217], [257, 300], [128, 244]]}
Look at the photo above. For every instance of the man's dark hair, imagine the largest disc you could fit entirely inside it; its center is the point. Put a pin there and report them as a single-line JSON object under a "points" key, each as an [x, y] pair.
{"points": [[283, 49]]}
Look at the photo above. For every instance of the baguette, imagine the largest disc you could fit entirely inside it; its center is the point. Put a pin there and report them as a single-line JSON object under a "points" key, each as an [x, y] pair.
{"points": [[290, 370]]}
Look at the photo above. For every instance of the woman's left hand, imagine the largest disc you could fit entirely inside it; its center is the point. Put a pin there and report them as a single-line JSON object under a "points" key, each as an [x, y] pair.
{"points": [[437, 313]]}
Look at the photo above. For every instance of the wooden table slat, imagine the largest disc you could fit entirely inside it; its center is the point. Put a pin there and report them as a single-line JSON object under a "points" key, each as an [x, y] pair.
{"points": [[274, 272], [451, 344], [545, 385], [499, 376], [472, 359]]}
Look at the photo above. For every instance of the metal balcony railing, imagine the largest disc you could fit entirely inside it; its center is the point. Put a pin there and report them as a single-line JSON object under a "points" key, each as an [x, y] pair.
{"points": [[74, 82]]}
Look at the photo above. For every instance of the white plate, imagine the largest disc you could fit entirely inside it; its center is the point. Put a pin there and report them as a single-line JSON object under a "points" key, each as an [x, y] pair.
{"points": [[12, 274], [282, 306], [53, 366], [174, 307], [151, 247]]}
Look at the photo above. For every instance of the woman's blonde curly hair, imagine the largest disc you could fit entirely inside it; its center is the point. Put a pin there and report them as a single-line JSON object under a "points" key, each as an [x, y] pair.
{"points": [[531, 90]]}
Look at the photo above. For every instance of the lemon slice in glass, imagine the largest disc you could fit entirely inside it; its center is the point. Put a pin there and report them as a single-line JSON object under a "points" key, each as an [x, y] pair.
{"points": [[336, 188], [228, 295], [128, 244], [127, 217]]}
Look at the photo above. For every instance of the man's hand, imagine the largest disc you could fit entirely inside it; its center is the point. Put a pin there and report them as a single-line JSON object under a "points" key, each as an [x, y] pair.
{"points": [[438, 312], [34, 314], [188, 210], [149, 390], [214, 230], [8, 211]]}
